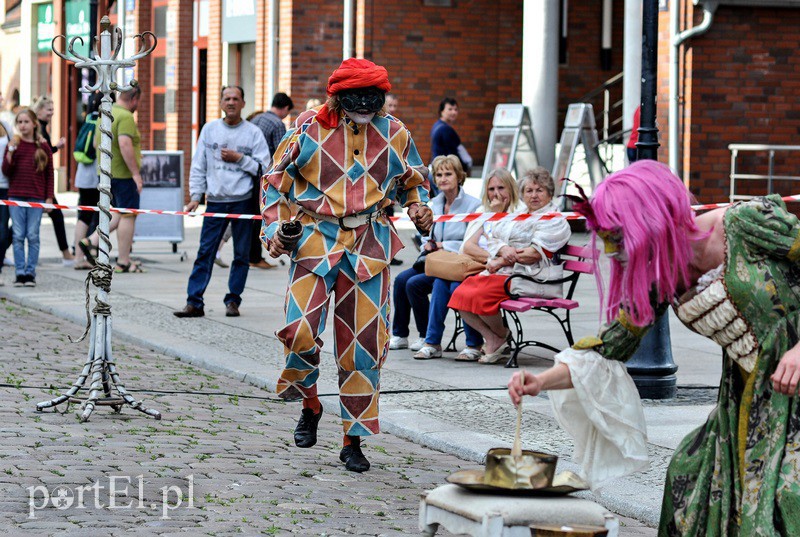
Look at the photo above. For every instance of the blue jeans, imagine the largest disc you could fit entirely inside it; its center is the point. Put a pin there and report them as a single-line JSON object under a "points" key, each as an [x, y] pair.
{"points": [[410, 292], [210, 236], [5, 229], [25, 225], [442, 290]]}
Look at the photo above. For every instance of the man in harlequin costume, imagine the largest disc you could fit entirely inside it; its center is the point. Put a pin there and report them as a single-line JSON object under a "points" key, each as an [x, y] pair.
{"points": [[336, 172]]}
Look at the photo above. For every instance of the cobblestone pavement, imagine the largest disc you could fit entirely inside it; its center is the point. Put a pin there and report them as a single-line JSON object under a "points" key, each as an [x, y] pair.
{"points": [[230, 454], [488, 416]]}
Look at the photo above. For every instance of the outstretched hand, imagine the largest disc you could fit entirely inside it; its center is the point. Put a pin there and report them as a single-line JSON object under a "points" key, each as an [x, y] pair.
{"points": [[532, 386]]}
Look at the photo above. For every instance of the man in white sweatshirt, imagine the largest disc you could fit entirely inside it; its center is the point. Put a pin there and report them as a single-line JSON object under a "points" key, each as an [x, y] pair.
{"points": [[230, 152]]}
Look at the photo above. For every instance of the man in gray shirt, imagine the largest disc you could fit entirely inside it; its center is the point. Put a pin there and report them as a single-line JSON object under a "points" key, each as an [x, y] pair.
{"points": [[230, 152], [271, 124]]}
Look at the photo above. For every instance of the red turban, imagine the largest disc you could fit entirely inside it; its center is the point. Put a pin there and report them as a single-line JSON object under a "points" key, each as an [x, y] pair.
{"points": [[358, 73], [353, 73]]}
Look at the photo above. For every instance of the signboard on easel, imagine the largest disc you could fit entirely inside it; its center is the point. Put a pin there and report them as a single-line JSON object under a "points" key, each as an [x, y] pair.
{"points": [[511, 143], [162, 188], [579, 127]]}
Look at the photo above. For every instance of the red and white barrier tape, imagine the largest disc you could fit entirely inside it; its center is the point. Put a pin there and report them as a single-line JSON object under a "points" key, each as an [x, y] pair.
{"points": [[464, 217], [36, 205]]}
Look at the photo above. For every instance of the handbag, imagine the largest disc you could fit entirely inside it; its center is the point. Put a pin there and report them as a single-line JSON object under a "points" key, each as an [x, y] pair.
{"points": [[544, 280], [419, 264], [451, 266]]}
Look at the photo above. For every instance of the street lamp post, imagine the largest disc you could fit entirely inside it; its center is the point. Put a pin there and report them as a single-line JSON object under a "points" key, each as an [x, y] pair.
{"points": [[652, 367], [100, 367]]}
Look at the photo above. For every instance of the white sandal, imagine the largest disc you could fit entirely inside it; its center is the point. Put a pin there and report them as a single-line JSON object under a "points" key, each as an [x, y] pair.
{"points": [[428, 353], [469, 355], [496, 356]]}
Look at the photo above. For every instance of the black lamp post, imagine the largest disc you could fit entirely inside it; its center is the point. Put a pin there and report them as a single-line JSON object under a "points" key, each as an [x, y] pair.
{"points": [[652, 367]]}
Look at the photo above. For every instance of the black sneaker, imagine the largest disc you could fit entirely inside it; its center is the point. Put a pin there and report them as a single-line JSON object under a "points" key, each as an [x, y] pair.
{"points": [[20, 281], [352, 457], [30, 281]]}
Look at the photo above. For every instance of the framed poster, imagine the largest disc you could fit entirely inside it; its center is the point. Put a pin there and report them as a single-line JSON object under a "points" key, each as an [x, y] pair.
{"points": [[162, 188]]}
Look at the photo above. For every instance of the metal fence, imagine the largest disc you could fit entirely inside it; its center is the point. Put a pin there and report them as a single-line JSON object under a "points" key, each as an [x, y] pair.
{"points": [[770, 177]]}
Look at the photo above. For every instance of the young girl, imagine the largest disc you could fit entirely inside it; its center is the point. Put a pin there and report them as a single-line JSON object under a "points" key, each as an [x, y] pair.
{"points": [[28, 164]]}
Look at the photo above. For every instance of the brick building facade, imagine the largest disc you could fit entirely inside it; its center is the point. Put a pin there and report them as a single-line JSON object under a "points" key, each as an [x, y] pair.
{"points": [[738, 83], [741, 85]]}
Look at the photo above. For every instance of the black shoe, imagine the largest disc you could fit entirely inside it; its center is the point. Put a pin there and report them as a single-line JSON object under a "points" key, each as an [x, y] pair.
{"points": [[189, 311], [20, 281], [231, 310], [352, 457], [305, 434], [395, 262], [30, 281]]}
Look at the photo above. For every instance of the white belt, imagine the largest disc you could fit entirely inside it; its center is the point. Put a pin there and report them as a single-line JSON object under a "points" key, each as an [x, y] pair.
{"points": [[347, 223]]}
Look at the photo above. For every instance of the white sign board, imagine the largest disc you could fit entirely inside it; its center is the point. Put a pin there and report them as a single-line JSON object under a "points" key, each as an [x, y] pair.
{"points": [[511, 143], [162, 188], [579, 128]]}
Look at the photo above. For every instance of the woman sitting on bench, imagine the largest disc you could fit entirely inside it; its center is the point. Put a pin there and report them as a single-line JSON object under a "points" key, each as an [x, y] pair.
{"points": [[478, 298]]}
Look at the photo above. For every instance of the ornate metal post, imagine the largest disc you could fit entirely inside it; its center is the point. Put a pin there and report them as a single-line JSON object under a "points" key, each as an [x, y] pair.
{"points": [[100, 366], [652, 368]]}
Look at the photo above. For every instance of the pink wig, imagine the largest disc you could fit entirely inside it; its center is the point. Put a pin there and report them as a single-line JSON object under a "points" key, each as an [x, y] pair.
{"points": [[651, 208]]}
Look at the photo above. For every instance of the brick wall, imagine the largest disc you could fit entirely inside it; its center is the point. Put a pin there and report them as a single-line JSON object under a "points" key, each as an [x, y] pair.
{"points": [[179, 61], [285, 59], [214, 65], [582, 71], [433, 52], [316, 29], [744, 89], [143, 72]]}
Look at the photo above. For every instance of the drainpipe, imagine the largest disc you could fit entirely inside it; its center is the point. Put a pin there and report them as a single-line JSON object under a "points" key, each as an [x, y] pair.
{"points": [[605, 37], [677, 38], [274, 43], [632, 63], [348, 31]]}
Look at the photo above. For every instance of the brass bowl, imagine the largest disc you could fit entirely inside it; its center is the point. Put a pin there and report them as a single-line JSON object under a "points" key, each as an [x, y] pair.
{"points": [[570, 530], [531, 470]]}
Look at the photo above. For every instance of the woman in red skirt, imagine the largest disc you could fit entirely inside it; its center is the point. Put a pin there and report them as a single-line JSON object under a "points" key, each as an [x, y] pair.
{"points": [[478, 298]]}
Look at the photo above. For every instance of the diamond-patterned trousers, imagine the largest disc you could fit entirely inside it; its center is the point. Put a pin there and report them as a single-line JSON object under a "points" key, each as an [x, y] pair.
{"points": [[361, 339]]}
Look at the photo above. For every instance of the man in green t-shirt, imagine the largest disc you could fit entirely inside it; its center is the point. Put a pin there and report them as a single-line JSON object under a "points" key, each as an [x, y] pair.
{"points": [[126, 182]]}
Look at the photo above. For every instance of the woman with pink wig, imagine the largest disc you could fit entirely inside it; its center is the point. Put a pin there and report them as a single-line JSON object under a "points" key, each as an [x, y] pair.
{"points": [[731, 274]]}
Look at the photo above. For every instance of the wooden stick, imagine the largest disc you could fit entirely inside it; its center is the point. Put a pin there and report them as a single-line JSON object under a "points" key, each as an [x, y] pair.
{"points": [[516, 450]]}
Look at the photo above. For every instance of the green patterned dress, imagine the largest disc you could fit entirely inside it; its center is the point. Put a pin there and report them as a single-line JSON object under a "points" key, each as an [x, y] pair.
{"points": [[739, 473]]}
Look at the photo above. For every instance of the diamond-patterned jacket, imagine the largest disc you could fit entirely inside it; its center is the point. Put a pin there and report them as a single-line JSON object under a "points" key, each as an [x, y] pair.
{"points": [[339, 172]]}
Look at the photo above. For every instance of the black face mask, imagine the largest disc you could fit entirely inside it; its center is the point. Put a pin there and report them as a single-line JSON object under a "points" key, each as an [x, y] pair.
{"points": [[362, 100]]}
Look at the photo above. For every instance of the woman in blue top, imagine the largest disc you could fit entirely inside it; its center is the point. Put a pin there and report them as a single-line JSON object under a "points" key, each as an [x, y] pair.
{"points": [[412, 286]]}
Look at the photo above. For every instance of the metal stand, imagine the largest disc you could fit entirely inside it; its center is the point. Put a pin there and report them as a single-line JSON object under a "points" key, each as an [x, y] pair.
{"points": [[99, 365], [579, 127]]}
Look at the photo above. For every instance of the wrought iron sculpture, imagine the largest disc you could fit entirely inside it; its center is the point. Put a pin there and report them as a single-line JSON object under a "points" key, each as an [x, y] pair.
{"points": [[100, 367]]}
